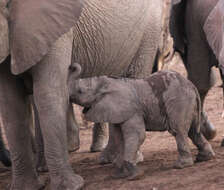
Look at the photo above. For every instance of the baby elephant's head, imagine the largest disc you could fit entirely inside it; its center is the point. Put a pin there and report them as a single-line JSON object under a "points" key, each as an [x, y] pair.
{"points": [[104, 99], [85, 91]]}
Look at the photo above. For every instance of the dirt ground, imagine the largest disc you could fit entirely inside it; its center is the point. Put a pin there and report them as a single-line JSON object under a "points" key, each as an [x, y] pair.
{"points": [[160, 152]]}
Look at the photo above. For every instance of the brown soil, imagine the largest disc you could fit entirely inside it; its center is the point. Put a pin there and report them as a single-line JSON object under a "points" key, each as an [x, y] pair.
{"points": [[160, 152]]}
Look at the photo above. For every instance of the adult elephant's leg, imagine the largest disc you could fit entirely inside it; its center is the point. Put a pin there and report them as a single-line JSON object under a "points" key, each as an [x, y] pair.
{"points": [[15, 118], [198, 65], [41, 164], [72, 131], [99, 137], [52, 101], [72, 137]]}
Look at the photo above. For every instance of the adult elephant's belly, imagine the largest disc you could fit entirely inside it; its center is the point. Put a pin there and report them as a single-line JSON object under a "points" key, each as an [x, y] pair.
{"points": [[109, 35]]}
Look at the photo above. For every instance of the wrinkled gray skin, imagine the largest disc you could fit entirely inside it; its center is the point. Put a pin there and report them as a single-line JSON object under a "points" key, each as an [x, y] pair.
{"points": [[72, 131], [117, 38], [165, 101], [50, 45], [197, 29], [121, 44]]}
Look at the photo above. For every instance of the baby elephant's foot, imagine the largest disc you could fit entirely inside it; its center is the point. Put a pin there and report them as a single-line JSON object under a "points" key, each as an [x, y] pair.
{"points": [[206, 154], [129, 171], [183, 163], [68, 182]]}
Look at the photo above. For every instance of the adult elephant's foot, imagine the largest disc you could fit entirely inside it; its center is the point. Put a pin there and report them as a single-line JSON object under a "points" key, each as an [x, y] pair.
{"points": [[129, 171], [207, 128], [68, 181], [99, 137], [206, 154], [5, 158], [183, 163]]}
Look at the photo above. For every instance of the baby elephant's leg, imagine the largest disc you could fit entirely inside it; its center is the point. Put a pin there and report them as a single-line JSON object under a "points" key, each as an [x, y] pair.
{"points": [[111, 151], [133, 134], [185, 158], [205, 151]]}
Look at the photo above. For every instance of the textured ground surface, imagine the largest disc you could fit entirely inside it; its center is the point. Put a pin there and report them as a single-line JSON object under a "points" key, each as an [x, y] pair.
{"points": [[160, 152]]}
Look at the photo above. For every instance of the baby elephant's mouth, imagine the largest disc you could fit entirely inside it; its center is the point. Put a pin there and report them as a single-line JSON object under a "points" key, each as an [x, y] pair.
{"points": [[86, 109]]}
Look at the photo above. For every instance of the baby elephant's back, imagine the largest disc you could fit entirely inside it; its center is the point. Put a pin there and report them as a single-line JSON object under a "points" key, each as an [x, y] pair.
{"points": [[177, 97], [171, 84]]}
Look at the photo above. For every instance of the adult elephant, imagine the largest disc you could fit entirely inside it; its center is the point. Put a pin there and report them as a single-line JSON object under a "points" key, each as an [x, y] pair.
{"points": [[40, 54], [197, 27]]}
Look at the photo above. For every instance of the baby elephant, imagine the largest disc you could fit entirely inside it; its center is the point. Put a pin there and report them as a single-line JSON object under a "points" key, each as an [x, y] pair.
{"points": [[165, 101]]}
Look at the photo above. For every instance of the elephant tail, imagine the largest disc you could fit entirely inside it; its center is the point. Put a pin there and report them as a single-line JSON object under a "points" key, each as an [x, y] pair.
{"points": [[197, 119]]}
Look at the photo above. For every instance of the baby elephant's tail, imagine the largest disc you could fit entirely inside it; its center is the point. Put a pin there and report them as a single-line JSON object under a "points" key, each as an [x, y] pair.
{"points": [[197, 119]]}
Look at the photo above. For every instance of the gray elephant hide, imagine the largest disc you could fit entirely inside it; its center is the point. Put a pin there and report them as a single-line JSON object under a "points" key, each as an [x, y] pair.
{"points": [[4, 39], [35, 25], [159, 99], [215, 22]]}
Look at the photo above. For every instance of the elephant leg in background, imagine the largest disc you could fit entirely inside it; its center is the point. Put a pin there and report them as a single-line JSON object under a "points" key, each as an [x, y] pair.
{"points": [[15, 118], [111, 151], [202, 77], [99, 137], [51, 98], [4, 153], [73, 140]]}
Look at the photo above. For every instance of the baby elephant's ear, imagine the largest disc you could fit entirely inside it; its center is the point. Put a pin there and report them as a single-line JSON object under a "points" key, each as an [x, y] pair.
{"points": [[114, 107]]}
